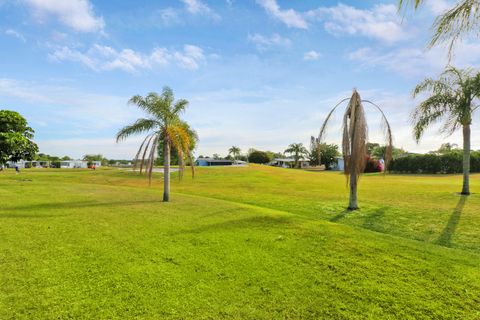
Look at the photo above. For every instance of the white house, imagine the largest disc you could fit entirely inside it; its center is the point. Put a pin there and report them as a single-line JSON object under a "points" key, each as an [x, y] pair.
{"points": [[289, 163], [73, 164], [340, 165]]}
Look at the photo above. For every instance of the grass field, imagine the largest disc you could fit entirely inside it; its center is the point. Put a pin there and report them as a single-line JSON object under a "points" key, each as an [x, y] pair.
{"points": [[237, 243]]}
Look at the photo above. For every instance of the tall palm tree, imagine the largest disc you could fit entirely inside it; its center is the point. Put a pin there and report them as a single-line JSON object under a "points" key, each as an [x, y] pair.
{"points": [[453, 24], [163, 127], [297, 149], [354, 142], [452, 98], [235, 152]]}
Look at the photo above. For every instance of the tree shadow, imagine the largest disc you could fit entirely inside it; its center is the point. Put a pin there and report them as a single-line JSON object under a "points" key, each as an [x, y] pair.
{"points": [[69, 205], [371, 221], [260, 222], [340, 216], [447, 233]]}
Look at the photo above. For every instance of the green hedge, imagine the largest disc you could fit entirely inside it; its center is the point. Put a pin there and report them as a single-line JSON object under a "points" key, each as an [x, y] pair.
{"points": [[432, 163]]}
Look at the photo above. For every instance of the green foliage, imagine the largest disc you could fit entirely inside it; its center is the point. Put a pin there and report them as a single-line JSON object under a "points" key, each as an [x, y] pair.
{"points": [[449, 162], [259, 157], [451, 99], [95, 157], [454, 24], [297, 150], [15, 138], [328, 154]]}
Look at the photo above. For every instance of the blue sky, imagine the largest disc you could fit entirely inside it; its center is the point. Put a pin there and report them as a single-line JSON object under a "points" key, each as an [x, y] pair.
{"points": [[257, 73]]}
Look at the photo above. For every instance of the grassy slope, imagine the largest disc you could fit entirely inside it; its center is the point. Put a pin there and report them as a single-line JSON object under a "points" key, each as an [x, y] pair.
{"points": [[101, 245]]}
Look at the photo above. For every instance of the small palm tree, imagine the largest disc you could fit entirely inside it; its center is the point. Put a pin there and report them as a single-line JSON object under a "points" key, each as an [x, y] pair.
{"points": [[298, 150], [455, 23], [164, 127], [354, 142], [235, 152], [451, 99]]}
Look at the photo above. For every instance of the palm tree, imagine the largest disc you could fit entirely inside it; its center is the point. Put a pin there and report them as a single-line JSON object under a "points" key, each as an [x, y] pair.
{"points": [[451, 99], [354, 142], [455, 23], [163, 127], [297, 149], [234, 151]]}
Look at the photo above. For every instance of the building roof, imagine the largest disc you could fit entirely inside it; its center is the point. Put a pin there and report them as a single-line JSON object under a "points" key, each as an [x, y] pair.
{"points": [[213, 160], [290, 160]]}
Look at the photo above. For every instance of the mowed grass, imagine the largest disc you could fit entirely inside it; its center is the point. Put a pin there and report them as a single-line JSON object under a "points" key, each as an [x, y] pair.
{"points": [[236, 243]]}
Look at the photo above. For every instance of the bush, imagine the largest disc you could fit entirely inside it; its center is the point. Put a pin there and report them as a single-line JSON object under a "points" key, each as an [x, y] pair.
{"points": [[258, 157], [451, 162], [372, 165]]}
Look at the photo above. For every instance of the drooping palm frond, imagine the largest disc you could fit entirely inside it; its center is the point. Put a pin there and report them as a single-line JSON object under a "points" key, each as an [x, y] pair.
{"points": [[140, 126], [387, 133], [454, 24], [137, 156], [354, 141], [450, 99], [457, 22]]}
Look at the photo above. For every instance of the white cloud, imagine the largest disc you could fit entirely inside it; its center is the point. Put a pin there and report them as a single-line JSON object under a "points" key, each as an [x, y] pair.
{"points": [[15, 34], [169, 16], [76, 14], [382, 22], [289, 17], [414, 62], [311, 55], [106, 58], [264, 42], [438, 7], [200, 8]]}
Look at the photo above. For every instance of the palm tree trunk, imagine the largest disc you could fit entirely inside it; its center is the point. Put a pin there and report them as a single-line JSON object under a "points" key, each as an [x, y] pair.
{"points": [[166, 171], [466, 160], [353, 202]]}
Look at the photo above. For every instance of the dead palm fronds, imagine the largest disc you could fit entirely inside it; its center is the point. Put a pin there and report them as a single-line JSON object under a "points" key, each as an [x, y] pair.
{"points": [[354, 141]]}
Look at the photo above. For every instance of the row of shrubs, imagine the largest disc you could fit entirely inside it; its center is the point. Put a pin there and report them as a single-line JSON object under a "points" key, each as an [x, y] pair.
{"points": [[434, 163]]}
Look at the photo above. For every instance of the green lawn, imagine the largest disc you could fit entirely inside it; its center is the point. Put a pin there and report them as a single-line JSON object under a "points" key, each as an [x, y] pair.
{"points": [[241, 243]]}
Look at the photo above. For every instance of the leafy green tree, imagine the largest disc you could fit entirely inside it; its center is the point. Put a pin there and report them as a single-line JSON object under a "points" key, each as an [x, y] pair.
{"points": [[323, 153], [260, 157], [163, 125], [455, 23], [380, 152], [15, 138], [234, 151], [95, 157], [297, 150], [447, 148], [452, 99]]}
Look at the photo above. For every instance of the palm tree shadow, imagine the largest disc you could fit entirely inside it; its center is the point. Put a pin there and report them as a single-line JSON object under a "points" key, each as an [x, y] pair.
{"points": [[445, 238], [340, 216]]}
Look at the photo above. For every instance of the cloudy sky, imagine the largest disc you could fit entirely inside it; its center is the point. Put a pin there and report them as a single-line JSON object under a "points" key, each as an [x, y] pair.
{"points": [[257, 73]]}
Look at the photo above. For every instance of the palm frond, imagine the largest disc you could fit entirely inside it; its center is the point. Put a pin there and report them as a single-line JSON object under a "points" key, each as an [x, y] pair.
{"points": [[151, 159], [457, 22], [135, 160], [140, 126]]}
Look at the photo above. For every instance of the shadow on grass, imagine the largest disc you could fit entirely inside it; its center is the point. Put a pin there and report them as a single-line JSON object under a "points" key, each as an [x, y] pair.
{"points": [[371, 221], [70, 205], [245, 223], [341, 215], [445, 238]]}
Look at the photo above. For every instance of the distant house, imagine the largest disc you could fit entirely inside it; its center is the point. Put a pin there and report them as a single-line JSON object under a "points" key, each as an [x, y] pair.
{"points": [[208, 162], [73, 164], [290, 163], [339, 166]]}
